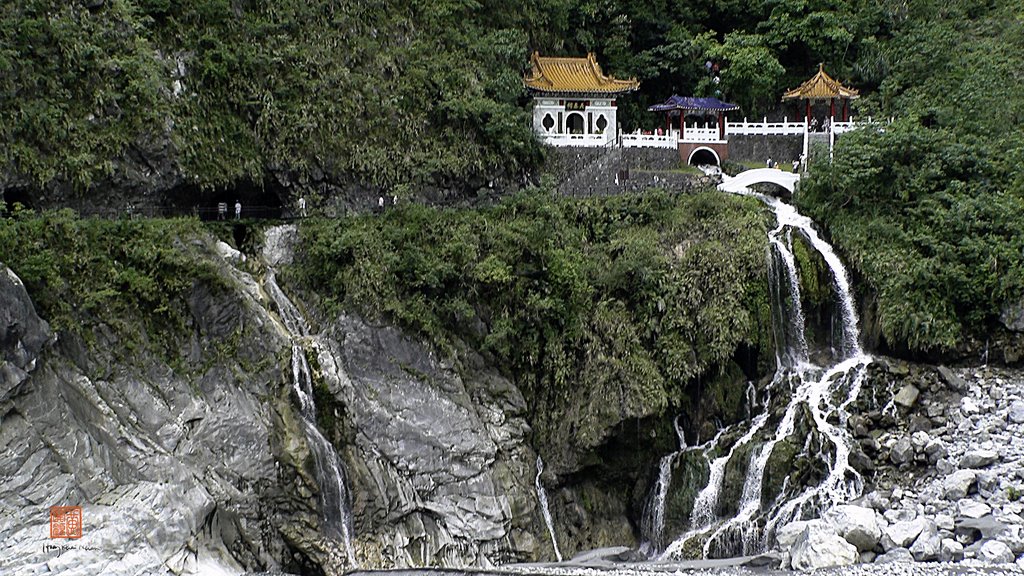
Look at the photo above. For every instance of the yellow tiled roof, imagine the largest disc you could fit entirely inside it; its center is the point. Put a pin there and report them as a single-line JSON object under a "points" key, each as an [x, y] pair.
{"points": [[821, 87], [575, 75]]}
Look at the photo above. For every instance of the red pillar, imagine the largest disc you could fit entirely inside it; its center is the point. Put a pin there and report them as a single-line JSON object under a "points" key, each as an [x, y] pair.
{"points": [[682, 123], [832, 108], [808, 118], [846, 110], [721, 125], [668, 123]]}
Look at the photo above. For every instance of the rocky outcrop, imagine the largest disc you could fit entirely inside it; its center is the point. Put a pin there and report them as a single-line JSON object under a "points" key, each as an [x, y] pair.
{"points": [[440, 469], [23, 335], [183, 464]]}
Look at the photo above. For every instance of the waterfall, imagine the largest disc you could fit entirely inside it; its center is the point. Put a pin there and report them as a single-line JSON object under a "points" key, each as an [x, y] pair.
{"points": [[813, 397], [330, 473], [542, 496], [653, 526]]}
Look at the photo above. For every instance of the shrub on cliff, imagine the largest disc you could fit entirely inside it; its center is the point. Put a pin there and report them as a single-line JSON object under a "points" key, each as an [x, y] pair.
{"points": [[602, 309]]}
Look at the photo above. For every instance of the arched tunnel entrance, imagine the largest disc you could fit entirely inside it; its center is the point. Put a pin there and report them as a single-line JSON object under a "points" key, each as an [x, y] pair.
{"points": [[704, 157], [17, 196]]}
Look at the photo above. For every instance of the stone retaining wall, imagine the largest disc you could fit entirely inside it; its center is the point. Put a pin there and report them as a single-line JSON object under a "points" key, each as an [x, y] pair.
{"points": [[783, 149]]}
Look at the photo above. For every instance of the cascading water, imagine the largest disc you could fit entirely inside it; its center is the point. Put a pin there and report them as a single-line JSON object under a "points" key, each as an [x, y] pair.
{"points": [[654, 512], [542, 496], [334, 495], [815, 396]]}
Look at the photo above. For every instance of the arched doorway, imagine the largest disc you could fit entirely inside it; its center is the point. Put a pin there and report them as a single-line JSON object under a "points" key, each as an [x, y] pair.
{"points": [[574, 123], [704, 156]]}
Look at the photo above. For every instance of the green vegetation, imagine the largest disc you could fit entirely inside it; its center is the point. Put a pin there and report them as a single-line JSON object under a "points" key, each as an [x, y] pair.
{"points": [[83, 272], [600, 308], [406, 95], [929, 210], [387, 93]]}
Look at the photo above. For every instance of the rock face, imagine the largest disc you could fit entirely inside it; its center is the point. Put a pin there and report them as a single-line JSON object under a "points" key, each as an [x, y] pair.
{"points": [[23, 335], [198, 463], [438, 460], [176, 469]]}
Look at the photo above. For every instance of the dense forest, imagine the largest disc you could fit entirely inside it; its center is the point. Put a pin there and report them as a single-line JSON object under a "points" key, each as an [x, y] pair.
{"points": [[397, 95]]}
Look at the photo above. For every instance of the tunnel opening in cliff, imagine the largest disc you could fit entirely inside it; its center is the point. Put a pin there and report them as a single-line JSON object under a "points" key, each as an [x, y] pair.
{"points": [[13, 196], [264, 199]]}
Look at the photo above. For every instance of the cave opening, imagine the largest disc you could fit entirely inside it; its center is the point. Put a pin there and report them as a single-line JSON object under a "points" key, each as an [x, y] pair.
{"points": [[255, 200], [17, 196]]}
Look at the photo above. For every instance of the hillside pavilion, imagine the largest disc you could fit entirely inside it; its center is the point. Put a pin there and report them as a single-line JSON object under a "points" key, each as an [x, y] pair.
{"points": [[574, 102], [823, 87]]}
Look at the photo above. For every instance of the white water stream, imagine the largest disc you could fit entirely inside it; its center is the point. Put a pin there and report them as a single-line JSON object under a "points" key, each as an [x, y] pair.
{"points": [[813, 393], [334, 496], [542, 496]]}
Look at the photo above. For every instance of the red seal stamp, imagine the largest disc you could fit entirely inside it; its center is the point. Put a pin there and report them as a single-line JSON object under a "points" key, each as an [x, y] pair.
{"points": [[65, 521]]}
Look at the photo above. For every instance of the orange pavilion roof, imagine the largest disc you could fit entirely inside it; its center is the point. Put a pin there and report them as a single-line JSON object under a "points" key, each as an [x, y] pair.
{"points": [[574, 75], [821, 87]]}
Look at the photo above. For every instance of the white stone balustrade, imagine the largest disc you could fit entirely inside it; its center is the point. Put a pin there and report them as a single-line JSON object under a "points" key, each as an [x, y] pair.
{"points": [[582, 140], [765, 128]]}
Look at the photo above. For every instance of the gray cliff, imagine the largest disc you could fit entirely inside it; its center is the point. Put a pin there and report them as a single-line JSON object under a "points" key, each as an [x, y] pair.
{"points": [[195, 461]]}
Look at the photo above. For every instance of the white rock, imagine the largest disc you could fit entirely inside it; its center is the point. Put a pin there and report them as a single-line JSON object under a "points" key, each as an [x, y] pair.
{"points": [[944, 521], [958, 484], [969, 406], [907, 396], [1016, 413], [972, 509], [856, 524], [952, 551], [978, 458], [928, 544], [228, 253], [995, 552], [904, 533], [1013, 536], [786, 536], [896, 555], [920, 439], [820, 547]]}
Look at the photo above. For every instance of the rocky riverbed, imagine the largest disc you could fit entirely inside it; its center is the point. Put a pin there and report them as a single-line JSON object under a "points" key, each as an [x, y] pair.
{"points": [[946, 449]]}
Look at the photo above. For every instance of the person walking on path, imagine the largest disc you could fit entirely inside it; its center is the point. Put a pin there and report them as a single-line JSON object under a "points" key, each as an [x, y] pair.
{"points": [[238, 210], [302, 206]]}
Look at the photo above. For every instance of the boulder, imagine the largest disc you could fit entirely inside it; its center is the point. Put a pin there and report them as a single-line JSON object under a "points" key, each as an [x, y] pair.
{"points": [[995, 552], [958, 484], [786, 536], [857, 525], [1013, 536], [952, 379], [818, 546], [901, 452], [928, 545], [973, 509], [951, 550], [907, 396], [1016, 412], [896, 555], [902, 534], [978, 458]]}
